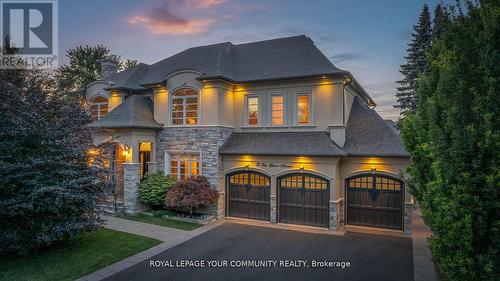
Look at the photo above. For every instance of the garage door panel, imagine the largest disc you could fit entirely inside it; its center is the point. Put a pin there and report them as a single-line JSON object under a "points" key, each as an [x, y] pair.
{"points": [[249, 195], [303, 199], [374, 200]]}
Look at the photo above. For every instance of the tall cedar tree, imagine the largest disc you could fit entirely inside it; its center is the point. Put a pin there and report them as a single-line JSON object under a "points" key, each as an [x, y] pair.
{"points": [[85, 66], [454, 142], [48, 192], [416, 64]]}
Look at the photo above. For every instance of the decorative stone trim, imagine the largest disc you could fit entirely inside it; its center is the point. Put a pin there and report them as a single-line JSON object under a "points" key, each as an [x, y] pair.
{"points": [[408, 218], [132, 178], [152, 167], [273, 209], [336, 214]]}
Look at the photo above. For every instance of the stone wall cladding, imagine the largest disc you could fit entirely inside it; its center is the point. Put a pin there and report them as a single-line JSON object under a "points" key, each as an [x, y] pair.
{"points": [[207, 140], [408, 218], [337, 214]]}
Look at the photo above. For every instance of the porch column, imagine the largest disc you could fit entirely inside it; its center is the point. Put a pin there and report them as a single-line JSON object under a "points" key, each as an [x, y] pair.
{"points": [[131, 179], [152, 167]]}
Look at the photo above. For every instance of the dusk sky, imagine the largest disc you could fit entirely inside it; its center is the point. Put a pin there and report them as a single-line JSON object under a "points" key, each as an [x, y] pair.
{"points": [[367, 38]]}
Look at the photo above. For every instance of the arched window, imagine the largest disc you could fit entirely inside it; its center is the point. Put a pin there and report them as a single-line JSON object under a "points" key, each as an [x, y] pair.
{"points": [[98, 108], [185, 107]]}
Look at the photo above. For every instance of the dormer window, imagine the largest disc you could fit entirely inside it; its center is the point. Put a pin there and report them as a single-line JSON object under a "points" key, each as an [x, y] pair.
{"points": [[185, 107], [98, 108]]}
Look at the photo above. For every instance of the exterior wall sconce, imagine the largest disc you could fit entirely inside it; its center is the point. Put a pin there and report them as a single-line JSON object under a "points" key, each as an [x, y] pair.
{"points": [[374, 170], [246, 167], [301, 169]]}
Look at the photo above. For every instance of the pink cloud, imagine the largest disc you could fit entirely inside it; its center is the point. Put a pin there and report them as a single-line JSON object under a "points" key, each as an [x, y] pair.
{"points": [[168, 18]]}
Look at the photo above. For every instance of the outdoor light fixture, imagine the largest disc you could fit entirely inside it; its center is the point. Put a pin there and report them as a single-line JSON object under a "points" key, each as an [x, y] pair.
{"points": [[374, 170], [301, 169], [246, 166]]}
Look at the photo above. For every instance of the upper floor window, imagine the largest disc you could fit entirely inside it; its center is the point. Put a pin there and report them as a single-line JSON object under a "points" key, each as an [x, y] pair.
{"points": [[185, 107], [253, 111], [303, 108], [98, 108], [277, 110]]}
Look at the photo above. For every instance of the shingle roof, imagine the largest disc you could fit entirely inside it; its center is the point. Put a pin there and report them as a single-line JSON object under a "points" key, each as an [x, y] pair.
{"points": [[280, 58], [135, 112], [282, 143], [367, 134]]}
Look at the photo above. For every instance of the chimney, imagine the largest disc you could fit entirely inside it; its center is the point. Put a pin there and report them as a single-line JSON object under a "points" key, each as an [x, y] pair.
{"points": [[108, 68]]}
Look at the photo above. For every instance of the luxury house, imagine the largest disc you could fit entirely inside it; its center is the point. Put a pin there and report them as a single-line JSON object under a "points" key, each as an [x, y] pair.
{"points": [[278, 130]]}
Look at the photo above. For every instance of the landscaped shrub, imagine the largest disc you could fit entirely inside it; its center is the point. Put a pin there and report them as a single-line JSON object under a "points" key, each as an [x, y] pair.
{"points": [[153, 189], [194, 192]]}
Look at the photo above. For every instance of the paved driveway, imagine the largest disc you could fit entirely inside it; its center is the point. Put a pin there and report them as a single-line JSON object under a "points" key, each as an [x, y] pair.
{"points": [[371, 257]]}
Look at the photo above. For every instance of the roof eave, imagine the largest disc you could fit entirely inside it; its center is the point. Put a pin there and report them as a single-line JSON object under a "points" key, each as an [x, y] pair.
{"points": [[220, 77]]}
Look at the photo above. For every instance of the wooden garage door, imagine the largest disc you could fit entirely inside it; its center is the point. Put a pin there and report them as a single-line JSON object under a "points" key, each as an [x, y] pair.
{"points": [[248, 195], [304, 199], [375, 200]]}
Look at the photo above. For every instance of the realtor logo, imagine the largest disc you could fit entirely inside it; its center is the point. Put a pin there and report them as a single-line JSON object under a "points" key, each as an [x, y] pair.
{"points": [[30, 26]]}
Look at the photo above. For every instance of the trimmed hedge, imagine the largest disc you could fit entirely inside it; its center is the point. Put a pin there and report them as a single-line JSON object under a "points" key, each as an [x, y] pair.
{"points": [[153, 188]]}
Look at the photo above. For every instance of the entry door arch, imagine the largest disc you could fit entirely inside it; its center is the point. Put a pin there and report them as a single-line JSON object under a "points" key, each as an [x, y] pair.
{"points": [[248, 195], [374, 200], [304, 198]]}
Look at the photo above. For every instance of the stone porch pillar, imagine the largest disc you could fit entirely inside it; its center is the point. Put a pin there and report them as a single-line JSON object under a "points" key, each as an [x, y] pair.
{"points": [[152, 167], [131, 180]]}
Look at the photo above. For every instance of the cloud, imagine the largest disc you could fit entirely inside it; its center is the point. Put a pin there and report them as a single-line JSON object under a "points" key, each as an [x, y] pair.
{"points": [[169, 19], [349, 56]]}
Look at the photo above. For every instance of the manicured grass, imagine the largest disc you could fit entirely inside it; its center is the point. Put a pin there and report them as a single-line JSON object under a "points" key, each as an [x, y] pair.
{"points": [[162, 221], [90, 252]]}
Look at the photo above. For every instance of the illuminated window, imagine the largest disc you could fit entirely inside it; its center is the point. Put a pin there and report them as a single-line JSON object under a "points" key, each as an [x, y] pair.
{"points": [[303, 109], [277, 110], [98, 108], [253, 111], [182, 166], [185, 107]]}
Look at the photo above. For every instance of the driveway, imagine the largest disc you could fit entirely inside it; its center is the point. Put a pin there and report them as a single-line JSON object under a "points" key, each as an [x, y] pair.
{"points": [[281, 254]]}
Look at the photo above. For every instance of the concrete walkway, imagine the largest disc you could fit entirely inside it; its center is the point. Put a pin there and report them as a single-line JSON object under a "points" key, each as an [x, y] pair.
{"points": [[423, 266], [170, 237]]}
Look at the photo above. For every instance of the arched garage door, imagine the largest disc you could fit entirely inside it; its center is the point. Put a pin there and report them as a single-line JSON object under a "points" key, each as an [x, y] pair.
{"points": [[248, 195], [303, 199], [375, 200]]}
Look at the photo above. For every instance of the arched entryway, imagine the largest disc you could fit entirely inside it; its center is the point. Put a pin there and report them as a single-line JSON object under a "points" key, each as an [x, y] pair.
{"points": [[303, 199], [248, 195], [374, 200]]}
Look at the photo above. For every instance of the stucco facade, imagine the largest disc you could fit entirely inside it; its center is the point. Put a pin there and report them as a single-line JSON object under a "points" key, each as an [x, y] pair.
{"points": [[218, 109]]}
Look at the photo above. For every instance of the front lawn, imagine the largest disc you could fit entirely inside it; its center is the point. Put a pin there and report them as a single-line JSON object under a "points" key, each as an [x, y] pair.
{"points": [[90, 252], [158, 220]]}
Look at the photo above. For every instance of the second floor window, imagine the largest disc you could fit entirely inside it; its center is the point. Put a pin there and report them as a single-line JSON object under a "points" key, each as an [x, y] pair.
{"points": [[98, 108], [277, 110], [303, 109], [253, 111], [185, 107]]}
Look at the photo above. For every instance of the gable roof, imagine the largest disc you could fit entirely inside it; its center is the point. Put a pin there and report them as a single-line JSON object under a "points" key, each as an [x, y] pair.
{"points": [[281, 58], [283, 143], [367, 134], [135, 112]]}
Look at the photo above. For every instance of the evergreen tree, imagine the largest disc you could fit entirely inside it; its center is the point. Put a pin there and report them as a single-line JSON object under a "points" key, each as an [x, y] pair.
{"points": [[439, 22], [48, 192], [416, 64], [454, 142]]}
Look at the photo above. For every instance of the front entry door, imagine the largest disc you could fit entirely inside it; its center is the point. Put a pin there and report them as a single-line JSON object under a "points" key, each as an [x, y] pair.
{"points": [[249, 195], [304, 199], [375, 200]]}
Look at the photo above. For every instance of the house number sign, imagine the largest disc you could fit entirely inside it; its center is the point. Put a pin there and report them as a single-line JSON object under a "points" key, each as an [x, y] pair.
{"points": [[272, 164]]}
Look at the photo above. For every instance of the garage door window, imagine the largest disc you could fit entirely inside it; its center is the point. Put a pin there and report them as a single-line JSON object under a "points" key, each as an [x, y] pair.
{"points": [[304, 182]]}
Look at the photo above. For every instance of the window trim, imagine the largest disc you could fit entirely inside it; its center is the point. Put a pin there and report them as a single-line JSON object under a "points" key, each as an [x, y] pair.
{"points": [[170, 153], [259, 110], [270, 113], [98, 104], [298, 93], [170, 104]]}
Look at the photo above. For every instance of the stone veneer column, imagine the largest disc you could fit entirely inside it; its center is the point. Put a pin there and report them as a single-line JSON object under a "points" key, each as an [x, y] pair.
{"points": [[408, 218], [336, 214], [273, 193], [132, 177]]}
